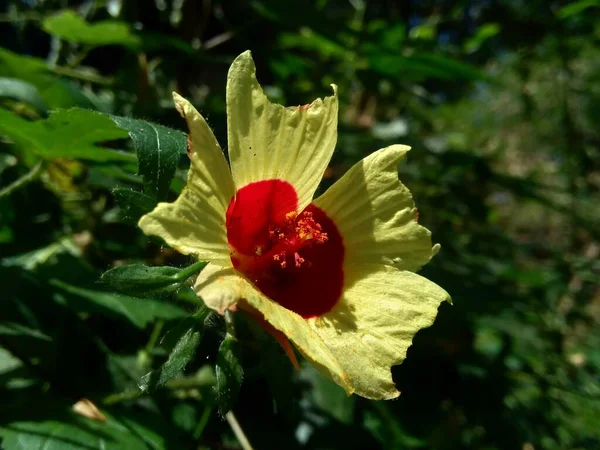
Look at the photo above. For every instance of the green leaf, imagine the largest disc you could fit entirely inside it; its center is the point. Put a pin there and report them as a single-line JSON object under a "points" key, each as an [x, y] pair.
{"points": [[158, 149], [183, 352], [133, 204], [72, 134], [23, 92], [141, 280], [71, 27], [575, 8], [419, 66], [55, 426], [484, 32], [139, 312], [57, 93], [229, 373]]}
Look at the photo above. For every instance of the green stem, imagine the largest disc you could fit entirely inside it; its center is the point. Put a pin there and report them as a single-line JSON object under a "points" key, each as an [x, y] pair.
{"points": [[178, 383], [237, 430], [155, 335], [202, 422], [81, 75], [30, 176], [121, 397]]}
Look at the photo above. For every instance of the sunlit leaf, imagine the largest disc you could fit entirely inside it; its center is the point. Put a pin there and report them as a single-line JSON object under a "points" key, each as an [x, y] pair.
{"points": [[158, 150], [23, 92], [483, 33], [575, 8], [56, 92], [71, 134], [71, 27]]}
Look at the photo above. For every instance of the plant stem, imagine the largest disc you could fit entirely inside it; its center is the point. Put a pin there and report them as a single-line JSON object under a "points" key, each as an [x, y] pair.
{"points": [[202, 422], [30, 176], [81, 75], [178, 383], [237, 430], [121, 397], [155, 335]]}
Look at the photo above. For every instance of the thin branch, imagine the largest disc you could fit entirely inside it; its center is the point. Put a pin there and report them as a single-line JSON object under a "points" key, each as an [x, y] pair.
{"points": [[30, 176], [237, 430]]}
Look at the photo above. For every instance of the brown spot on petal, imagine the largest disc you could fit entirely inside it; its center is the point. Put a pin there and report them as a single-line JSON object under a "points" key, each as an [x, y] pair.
{"points": [[304, 107], [189, 146]]}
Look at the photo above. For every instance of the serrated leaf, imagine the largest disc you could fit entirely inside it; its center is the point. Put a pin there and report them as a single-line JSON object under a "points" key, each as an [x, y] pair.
{"points": [[71, 27], [22, 91], [158, 149], [72, 134], [183, 352], [230, 374], [138, 311], [133, 204]]}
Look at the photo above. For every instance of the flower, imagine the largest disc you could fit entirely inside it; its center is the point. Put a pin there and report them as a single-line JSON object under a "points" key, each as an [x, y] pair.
{"points": [[334, 274]]}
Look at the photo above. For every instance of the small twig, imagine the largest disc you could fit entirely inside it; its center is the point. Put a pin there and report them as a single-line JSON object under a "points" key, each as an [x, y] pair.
{"points": [[202, 422], [81, 75], [30, 176], [121, 397], [155, 335], [175, 384], [237, 430]]}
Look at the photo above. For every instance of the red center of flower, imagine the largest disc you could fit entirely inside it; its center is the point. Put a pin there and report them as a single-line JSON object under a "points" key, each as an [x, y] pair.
{"points": [[294, 259]]}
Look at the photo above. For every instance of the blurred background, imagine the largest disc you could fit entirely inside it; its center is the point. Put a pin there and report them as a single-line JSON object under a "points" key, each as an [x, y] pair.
{"points": [[500, 101]]}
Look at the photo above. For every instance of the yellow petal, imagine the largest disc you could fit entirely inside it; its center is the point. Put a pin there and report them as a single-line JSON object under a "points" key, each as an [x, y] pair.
{"points": [[372, 327], [270, 141], [195, 222], [221, 288], [376, 215]]}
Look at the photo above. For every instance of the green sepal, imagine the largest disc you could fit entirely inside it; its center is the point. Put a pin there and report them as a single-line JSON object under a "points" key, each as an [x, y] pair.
{"points": [[141, 280]]}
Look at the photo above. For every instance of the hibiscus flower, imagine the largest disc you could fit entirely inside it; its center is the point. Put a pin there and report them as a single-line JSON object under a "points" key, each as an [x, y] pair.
{"points": [[334, 274]]}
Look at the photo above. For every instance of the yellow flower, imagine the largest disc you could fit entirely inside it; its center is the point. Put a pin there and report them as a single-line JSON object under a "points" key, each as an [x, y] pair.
{"points": [[334, 274]]}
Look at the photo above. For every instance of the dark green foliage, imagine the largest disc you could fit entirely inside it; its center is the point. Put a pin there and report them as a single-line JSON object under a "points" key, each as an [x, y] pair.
{"points": [[133, 204], [158, 149], [230, 373], [500, 103], [181, 354]]}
